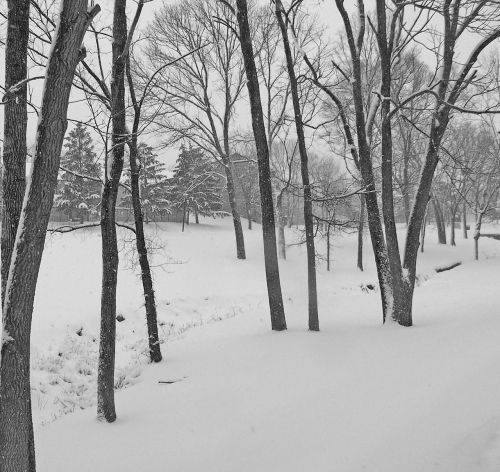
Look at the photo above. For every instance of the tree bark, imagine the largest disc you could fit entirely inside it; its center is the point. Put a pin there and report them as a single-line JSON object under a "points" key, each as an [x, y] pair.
{"points": [[278, 321], [15, 124], [452, 228], [361, 225], [281, 226], [422, 232], [439, 221], [308, 214], [231, 193], [16, 430], [106, 370], [477, 235], [140, 239], [464, 221]]}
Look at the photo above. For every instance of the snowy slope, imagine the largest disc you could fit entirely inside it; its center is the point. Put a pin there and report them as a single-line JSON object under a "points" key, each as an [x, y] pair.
{"points": [[356, 396]]}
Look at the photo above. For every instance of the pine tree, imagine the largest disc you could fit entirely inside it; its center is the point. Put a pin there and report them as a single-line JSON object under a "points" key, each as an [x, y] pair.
{"points": [[196, 186], [153, 184], [78, 190]]}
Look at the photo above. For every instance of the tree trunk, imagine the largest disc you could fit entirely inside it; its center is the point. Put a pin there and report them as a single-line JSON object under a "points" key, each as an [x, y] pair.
{"points": [[438, 214], [16, 430], [361, 224], [147, 280], [308, 214], [196, 218], [15, 123], [106, 370], [231, 193], [452, 228], [183, 216], [477, 235], [464, 221], [328, 248], [281, 226], [422, 233], [278, 321]]}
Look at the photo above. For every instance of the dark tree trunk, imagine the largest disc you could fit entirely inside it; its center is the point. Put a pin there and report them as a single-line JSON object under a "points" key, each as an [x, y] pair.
{"points": [[328, 248], [308, 214], [422, 233], [361, 225], [477, 235], [438, 214], [15, 123], [183, 216], [281, 226], [147, 279], [391, 236], [278, 321], [464, 221], [16, 430], [452, 228], [106, 370], [196, 218], [231, 193]]}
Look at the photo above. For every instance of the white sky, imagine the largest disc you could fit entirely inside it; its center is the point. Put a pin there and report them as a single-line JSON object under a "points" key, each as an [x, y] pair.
{"points": [[325, 10]]}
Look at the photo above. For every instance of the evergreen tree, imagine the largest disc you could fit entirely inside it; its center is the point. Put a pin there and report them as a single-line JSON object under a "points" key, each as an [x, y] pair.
{"points": [[196, 186], [153, 184], [79, 191]]}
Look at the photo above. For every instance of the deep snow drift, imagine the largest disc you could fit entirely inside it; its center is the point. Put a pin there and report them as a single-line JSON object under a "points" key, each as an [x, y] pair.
{"points": [[356, 396]]}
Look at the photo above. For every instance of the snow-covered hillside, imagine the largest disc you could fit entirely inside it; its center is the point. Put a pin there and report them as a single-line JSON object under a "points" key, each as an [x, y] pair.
{"points": [[356, 396]]}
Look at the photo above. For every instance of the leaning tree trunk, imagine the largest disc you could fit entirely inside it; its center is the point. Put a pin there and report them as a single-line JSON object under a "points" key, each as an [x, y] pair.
{"points": [[281, 226], [308, 213], [464, 221], [15, 123], [278, 321], [106, 370], [231, 193], [140, 240], [361, 225], [16, 431]]}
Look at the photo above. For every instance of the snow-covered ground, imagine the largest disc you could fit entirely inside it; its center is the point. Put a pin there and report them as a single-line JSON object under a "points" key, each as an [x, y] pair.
{"points": [[356, 396]]}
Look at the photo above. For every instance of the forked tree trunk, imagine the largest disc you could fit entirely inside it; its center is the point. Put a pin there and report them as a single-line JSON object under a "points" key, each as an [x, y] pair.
{"points": [[361, 225], [106, 370], [16, 431], [278, 321], [140, 239], [308, 214], [15, 123]]}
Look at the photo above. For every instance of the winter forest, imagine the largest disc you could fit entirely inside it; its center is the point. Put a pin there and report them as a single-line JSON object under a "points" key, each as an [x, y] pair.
{"points": [[250, 235]]}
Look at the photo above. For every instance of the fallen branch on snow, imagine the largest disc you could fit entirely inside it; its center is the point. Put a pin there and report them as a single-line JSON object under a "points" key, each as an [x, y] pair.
{"points": [[448, 267]]}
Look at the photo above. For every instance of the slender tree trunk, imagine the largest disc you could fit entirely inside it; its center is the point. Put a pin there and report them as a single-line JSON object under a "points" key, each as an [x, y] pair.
{"points": [[147, 279], [477, 235], [281, 226], [406, 189], [452, 228], [15, 123], [106, 370], [308, 214], [328, 248], [249, 216], [196, 217], [183, 216], [361, 225], [278, 321], [464, 221], [16, 430], [231, 193], [439, 222], [422, 233]]}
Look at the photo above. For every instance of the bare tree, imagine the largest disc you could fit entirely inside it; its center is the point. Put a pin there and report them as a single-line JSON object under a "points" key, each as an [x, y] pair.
{"points": [[308, 215], [278, 321], [195, 99], [16, 432]]}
